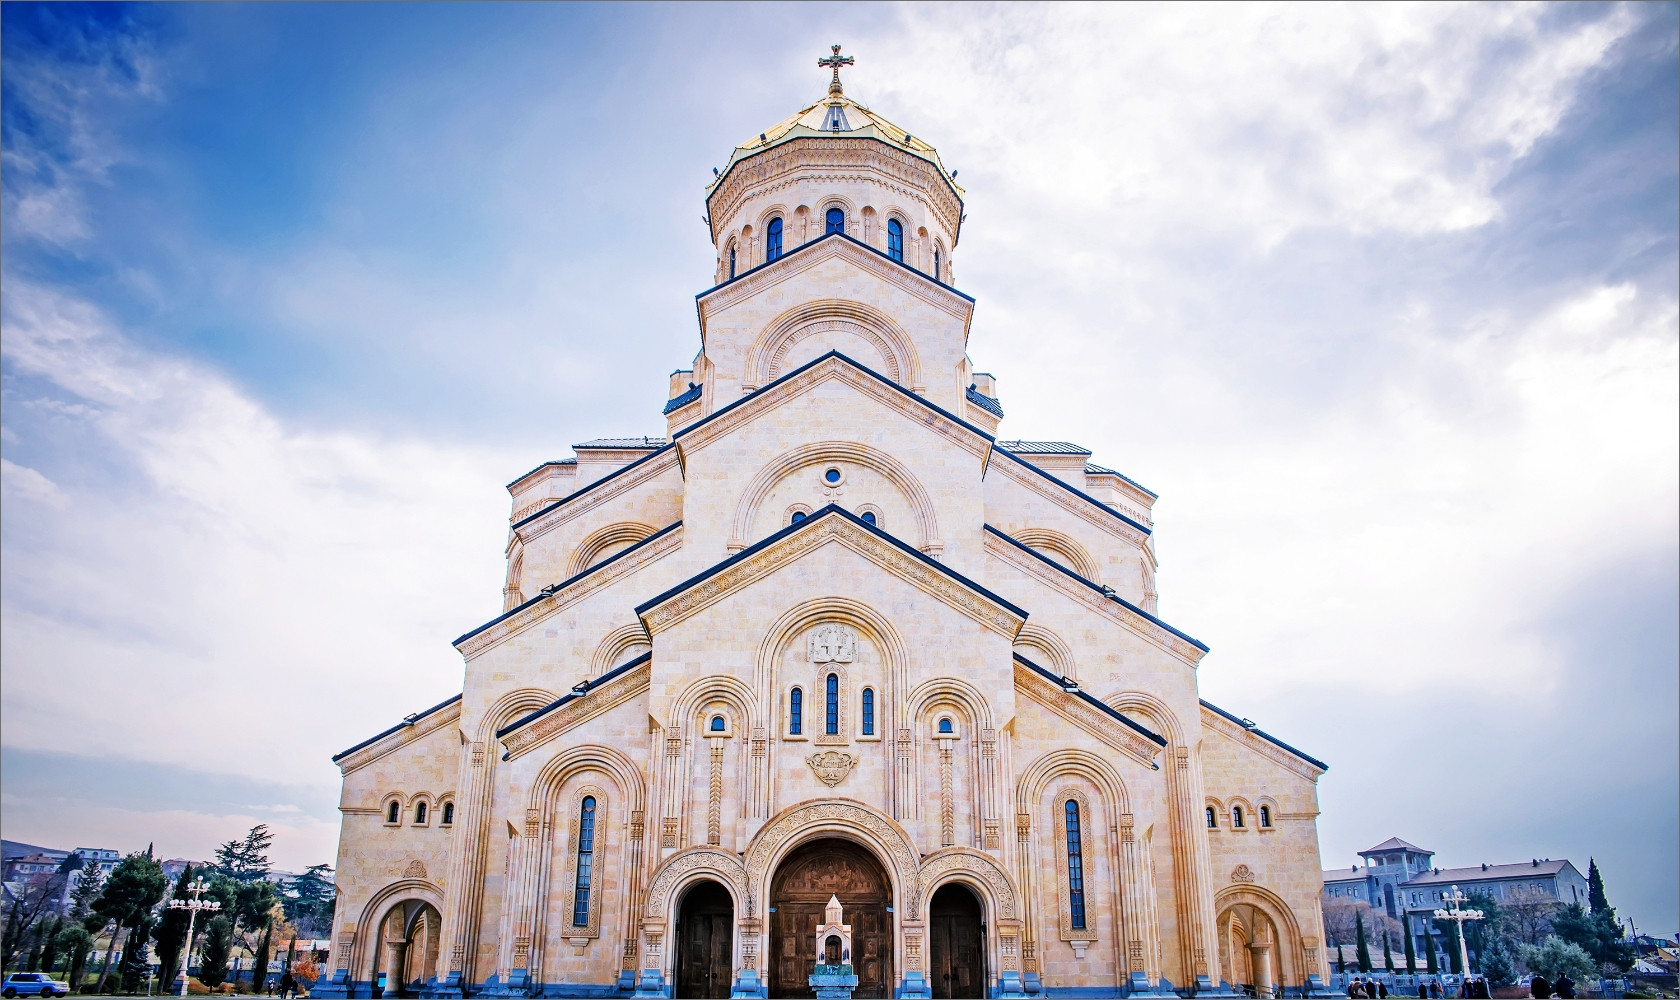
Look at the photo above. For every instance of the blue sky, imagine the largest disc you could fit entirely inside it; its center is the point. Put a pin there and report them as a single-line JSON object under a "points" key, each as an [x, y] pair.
{"points": [[1381, 300]]}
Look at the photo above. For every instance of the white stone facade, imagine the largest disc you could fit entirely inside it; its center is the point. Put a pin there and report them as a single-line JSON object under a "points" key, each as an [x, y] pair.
{"points": [[830, 507]]}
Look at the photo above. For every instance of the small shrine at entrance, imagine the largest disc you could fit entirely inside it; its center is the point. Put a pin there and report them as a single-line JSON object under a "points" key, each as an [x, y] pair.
{"points": [[832, 975]]}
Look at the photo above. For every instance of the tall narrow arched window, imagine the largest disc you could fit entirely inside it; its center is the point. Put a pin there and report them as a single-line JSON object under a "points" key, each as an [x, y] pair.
{"points": [[895, 240], [796, 712], [773, 239], [938, 266], [732, 260], [585, 863], [1265, 815], [420, 812], [869, 711], [836, 221], [1212, 819], [1076, 867], [1237, 817], [394, 814], [448, 813], [831, 692]]}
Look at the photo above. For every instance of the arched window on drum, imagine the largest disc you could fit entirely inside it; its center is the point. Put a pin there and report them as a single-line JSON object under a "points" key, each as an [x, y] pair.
{"points": [[773, 239], [836, 221], [895, 240]]}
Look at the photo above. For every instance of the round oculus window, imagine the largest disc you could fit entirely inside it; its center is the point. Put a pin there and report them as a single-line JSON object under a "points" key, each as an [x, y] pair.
{"points": [[831, 477]]}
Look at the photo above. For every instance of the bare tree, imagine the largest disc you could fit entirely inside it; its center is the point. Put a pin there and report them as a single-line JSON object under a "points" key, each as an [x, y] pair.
{"points": [[1527, 914]]}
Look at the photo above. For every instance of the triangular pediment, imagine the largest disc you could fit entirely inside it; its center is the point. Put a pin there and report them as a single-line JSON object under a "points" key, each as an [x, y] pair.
{"points": [[832, 367], [831, 526], [859, 256]]}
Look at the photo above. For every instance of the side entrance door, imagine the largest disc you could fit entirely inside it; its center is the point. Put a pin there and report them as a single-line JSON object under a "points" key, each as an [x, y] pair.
{"points": [[705, 942], [956, 945]]}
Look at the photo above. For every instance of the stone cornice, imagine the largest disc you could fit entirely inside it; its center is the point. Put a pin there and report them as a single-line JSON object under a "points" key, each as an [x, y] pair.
{"points": [[1042, 691], [751, 173], [1075, 501], [836, 367], [602, 491], [598, 700], [399, 737], [1096, 600], [1250, 739], [621, 566], [831, 525], [822, 250]]}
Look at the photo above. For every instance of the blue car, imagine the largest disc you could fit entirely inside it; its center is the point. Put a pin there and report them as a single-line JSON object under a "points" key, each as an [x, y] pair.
{"points": [[33, 984]]}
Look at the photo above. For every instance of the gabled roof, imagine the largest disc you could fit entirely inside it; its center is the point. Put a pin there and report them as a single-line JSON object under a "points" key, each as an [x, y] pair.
{"points": [[628, 443], [1268, 737], [999, 449], [1102, 470], [813, 523], [1072, 687], [609, 477], [758, 396], [1021, 447], [1107, 592], [1476, 873], [549, 464], [578, 690], [549, 591], [404, 724], [824, 238], [1393, 844]]}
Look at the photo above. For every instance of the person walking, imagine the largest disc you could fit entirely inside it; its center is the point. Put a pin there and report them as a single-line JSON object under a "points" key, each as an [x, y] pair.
{"points": [[1539, 988], [1564, 987], [1423, 990], [288, 985], [1382, 989], [1355, 989]]}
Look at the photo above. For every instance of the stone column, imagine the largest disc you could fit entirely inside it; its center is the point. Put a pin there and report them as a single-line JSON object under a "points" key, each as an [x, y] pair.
{"points": [[947, 807], [714, 795], [464, 899], [1260, 959]]}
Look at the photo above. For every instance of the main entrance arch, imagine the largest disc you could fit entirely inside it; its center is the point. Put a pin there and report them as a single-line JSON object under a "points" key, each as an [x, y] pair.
{"points": [[705, 941], [804, 881]]}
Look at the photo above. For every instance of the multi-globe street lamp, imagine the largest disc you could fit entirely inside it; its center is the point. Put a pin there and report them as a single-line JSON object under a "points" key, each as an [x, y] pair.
{"points": [[1455, 901], [196, 889]]}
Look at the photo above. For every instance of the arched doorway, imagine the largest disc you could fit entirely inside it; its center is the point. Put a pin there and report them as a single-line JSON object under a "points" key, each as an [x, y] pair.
{"points": [[406, 958], [705, 941], [804, 881], [1250, 942], [956, 943]]}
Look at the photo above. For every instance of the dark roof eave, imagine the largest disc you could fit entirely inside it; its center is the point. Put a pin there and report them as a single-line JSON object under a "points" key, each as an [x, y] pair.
{"points": [[1094, 702], [805, 246], [404, 724], [568, 498], [906, 393], [586, 687], [1268, 737], [1076, 491], [563, 584], [819, 514], [1107, 592], [521, 478]]}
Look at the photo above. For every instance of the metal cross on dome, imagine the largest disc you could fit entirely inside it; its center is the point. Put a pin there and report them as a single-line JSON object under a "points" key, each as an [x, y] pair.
{"points": [[836, 61]]}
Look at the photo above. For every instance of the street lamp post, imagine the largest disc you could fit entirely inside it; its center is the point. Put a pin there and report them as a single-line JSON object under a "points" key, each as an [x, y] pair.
{"points": [[1455, 912], [196, 889]]}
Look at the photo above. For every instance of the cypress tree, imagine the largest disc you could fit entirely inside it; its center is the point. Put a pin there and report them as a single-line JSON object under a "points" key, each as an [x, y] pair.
{"points": [[1596, 899], [1388, 955], [1361, 949], [1432, 967], [1411, 955]]}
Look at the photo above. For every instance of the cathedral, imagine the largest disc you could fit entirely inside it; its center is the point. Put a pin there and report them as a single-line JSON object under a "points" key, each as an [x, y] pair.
{"points": [[828, 641]]}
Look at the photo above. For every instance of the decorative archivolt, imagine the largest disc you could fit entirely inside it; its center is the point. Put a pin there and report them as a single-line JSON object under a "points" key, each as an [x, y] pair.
{"points": [[685, 867], [976, 869], [732, 691], [769, 351], [1293, 947], [1082, 763], [1061, 547], [852, 452], [949, 690], [796, 620], [382, 903], [1155, 713], [620, 645], [590, 550], [510, 706], [576, 760], [1057, 655], [843, 818]]}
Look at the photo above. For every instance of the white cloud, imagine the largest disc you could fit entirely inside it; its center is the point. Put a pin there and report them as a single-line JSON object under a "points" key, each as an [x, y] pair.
{"points": [[293, 587], [24, 483]]}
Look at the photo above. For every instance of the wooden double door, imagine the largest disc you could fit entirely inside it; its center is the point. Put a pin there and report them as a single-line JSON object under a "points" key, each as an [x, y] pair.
{"points": [[956, 944], [802, 886], [705, 942]]}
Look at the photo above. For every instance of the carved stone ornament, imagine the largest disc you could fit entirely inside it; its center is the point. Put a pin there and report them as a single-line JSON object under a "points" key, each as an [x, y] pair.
{"points": [[831, 766], [416, 869], [1241, 873], [833, 644]]}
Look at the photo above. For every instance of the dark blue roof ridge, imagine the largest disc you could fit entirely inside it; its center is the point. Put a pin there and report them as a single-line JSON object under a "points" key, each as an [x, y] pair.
{"points": [[527, 475], [865, 369], [1092, 700], [1107, 592], [404, 724], [624, 443], [803, 246], [1103, 470], [1268, 737], [817, 515], [578, 691], [1022, 446], [554, 589], [985, 402], [684, 398], [1076, 491], [614, 474]]}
